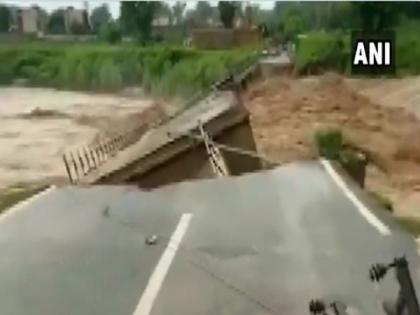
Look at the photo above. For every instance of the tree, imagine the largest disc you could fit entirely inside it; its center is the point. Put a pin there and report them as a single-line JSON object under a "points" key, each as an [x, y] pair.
{"points": [[227, 12], [137, 18], [80, 27], [293, 23], [178, 11], [165, 10], [56, 22], [376, 16], [203, 11], [5, 18], [110, 32], [100, 16]]}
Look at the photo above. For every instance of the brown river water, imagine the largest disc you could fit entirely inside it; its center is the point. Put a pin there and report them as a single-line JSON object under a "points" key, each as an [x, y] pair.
{"points": [[38, 125]]}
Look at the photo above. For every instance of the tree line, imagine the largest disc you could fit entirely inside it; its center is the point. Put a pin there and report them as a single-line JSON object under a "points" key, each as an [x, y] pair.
{"points": [[136, 18], [284, 20], [291, 18]]}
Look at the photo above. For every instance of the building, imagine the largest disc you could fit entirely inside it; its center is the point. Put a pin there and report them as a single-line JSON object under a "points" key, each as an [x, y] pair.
{"points": [[32, 20], [243, 33], [76, 20]]}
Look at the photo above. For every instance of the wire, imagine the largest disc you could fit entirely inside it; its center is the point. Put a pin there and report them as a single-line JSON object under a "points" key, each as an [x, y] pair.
{"points": [[228, 148]]}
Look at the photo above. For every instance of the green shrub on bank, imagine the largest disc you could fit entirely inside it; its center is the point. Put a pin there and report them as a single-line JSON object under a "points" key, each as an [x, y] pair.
{"points": [[164, 70], [329, 143], [109, 76], [408, 48], [321, 50]]}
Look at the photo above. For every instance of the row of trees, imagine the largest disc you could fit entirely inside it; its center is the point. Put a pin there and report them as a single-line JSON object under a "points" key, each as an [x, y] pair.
{"points": [[286, 18], [136, 18], [291, 18]]}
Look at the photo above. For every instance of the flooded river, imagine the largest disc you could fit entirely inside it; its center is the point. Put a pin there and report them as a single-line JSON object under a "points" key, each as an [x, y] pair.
{"points": [[38, 125]]}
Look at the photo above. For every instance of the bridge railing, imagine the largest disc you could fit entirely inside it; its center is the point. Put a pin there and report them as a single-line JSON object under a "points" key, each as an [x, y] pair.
{"points": [[84, 160]]}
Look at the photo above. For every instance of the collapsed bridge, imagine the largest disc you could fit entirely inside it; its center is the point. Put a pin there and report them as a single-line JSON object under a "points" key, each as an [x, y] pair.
{"points": [[265, 242]]}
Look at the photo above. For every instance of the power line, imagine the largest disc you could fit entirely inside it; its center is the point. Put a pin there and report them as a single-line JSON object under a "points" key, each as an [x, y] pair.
{"points": [[229, 148]]}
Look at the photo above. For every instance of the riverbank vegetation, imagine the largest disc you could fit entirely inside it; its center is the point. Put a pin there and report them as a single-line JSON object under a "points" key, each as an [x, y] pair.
{"points": [[322, 32], [166, 71]]}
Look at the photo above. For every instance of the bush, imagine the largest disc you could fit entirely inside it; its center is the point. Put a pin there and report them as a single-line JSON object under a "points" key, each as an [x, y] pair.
{"points": [[109, 77], [110, 33], [322, 51], [329, 143], [408, 48]]}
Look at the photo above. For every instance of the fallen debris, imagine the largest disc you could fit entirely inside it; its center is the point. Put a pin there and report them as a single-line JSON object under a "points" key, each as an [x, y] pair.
{"points": [[151, 240]]}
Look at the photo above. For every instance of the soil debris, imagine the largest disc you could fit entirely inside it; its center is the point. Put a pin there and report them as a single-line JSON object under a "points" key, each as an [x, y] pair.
{"points": [[286, 113]]}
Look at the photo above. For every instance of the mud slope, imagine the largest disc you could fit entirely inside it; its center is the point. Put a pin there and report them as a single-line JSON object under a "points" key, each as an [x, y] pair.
{"points": [[286, 112]]}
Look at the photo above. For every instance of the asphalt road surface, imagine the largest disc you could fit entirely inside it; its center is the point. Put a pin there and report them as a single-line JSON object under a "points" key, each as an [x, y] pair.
{"points": [[261, 244]]}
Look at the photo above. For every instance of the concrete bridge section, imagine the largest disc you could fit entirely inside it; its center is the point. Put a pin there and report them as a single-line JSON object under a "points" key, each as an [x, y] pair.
{"points": [[167, 154], [263, 243]]}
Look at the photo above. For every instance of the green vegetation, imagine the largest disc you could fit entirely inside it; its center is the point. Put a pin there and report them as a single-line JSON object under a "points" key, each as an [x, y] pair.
{"points": [[331, 50], [329, 143], [164, 70], [13, 194], [332, 145], [227, 12], [5, 18], [321, 31], [100, 17], [56, 23], [137, 18], [322, 50]]}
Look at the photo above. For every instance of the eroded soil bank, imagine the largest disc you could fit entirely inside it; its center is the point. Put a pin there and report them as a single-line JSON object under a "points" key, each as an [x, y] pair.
{"points": [[378, 116]]}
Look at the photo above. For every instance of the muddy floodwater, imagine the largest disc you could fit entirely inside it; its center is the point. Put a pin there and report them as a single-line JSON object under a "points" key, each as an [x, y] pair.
{"points": [[38, 125]]}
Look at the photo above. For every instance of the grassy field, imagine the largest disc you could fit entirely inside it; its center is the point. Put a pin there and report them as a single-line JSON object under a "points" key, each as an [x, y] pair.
{"points": [[166, 71]]}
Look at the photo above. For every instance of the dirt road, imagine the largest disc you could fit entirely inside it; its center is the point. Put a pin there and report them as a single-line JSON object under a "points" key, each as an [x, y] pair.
{"points": [[379, 117], [38, 125]]}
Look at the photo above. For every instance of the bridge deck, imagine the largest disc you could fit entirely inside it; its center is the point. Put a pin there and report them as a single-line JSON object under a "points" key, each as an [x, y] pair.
{"points": [[264, 243], [208, 109]]}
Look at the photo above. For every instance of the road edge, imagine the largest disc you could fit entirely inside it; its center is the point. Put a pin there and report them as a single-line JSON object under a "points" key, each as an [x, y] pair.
{"points": [[20, 205], [370, 217]]}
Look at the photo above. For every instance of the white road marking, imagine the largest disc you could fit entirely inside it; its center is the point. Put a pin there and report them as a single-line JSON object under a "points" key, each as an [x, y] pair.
{"points": [[7, 213], [363, 210], [417, 240], [158, 276]]}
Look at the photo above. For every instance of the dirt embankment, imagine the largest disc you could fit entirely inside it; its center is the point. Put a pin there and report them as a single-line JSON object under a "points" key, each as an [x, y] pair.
{"points": [[286, 113]]}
